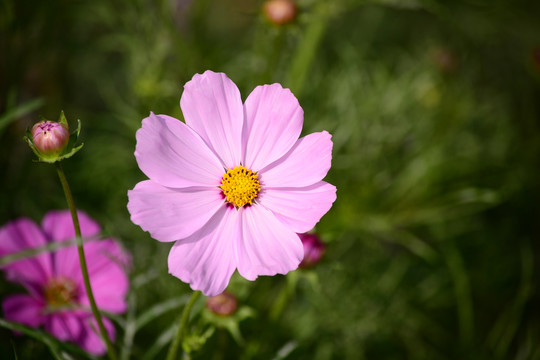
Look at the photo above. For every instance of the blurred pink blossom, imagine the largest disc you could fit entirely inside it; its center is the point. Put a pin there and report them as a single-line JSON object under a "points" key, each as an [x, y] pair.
{"points": [[233, 184], [314, 250], [224, 304], [56, 296]]}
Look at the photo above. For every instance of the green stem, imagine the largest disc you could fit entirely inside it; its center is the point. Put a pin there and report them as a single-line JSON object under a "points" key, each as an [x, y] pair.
{"points": [[82, 259], [305, 54], [173, 350]]}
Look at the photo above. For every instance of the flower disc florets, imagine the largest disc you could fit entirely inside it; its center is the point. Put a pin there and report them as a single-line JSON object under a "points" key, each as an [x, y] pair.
{"points": [[240, 186], [61, 291]]}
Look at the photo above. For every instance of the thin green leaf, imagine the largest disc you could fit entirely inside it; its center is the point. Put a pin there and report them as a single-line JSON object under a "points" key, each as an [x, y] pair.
{"points": [[54, 345], [162, 340], [504, 330], [19, 111], [160, 309], [5, 260], [14, 350]]}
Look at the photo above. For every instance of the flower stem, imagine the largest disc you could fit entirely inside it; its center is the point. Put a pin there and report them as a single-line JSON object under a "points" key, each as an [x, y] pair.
{"points": [[173, 350], [82, 260], [307, 48]]}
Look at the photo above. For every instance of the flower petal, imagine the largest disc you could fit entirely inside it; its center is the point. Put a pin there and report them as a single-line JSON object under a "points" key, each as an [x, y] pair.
{"points": [[206, 259], [172, 214], [109, 281], [274, 121], [266, 247], [170, 153], [212, 106], [299, 208], [23, 309], [108, 277], [80, 328], [22, 234], [65, 325], [91, 340], [58, 225], [306, 163]]}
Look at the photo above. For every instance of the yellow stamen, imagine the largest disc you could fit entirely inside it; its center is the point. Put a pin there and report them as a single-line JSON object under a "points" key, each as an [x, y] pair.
{"points": [[240, 186], [60, 292]]}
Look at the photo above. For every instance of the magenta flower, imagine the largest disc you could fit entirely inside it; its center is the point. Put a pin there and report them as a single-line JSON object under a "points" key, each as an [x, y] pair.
{"points": [[56, 295], [233, 185], [314, 250]]}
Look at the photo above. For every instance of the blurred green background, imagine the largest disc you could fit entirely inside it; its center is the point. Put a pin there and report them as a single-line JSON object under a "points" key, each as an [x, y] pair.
{"points": [[434, 107]]}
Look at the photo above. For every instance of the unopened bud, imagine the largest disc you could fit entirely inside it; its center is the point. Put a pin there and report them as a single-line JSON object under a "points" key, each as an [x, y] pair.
{"points": [[280, 12], [314, 249], [445, 59], [50, 138], [224, 304]]}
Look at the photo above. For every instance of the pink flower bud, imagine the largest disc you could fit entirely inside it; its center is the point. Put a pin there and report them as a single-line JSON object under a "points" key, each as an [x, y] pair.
{"points": [[314, 249], [445, 59], [224, 304], [50, 138], [280, 12]]}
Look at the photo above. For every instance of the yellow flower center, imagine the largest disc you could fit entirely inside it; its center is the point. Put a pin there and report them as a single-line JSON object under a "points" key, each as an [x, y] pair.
{"points": [[240, 186], [60, 292]]}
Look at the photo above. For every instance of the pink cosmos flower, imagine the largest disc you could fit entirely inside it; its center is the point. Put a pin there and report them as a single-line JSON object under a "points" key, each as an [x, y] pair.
{"points": [[233, 185], [56, 296]]}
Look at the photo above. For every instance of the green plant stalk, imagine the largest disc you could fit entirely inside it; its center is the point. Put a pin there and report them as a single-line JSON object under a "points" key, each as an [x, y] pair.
{"points": [[305, 54], [173, 350], [82, 259]]}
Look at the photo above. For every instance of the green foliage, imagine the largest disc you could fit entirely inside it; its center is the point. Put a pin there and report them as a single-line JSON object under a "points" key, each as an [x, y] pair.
{"points": [[433, 107]]}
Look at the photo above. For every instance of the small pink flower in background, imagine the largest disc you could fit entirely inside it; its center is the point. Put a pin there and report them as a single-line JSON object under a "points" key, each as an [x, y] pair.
{"points": [[233, 185], [280, 12], [56, 295], [314, 250], [224, 304]]}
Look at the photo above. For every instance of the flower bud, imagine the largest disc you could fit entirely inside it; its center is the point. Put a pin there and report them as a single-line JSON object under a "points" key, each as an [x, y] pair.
{"points": [[51, 141], [224, 304], [314, 249], [50, 138], [445, 59], [280, 12]]}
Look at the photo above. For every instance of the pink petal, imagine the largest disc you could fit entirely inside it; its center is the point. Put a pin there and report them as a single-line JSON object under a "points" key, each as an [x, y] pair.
{"points": [[170, 153], [266, 247], [19, 235], [274, 121], [172, 214], [107, 275], [206, 259], [65, 326], [306, 163], [299, 208], [58, 225], [80, 328], [66, 264], [23, 309], [91, 340], [212, 106]]}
